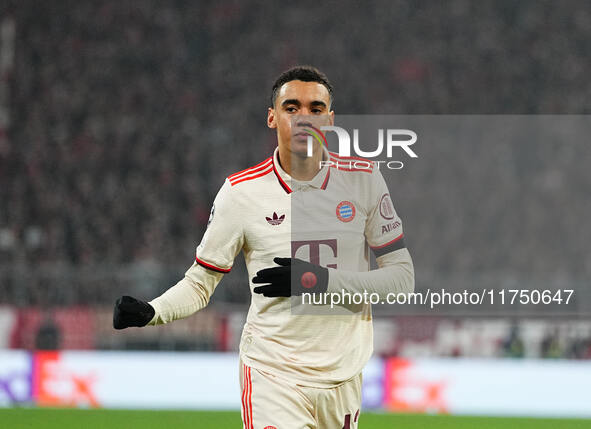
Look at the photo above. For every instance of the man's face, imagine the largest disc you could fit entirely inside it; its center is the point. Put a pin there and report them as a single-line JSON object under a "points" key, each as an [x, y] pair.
{"points": [[303, 104]]}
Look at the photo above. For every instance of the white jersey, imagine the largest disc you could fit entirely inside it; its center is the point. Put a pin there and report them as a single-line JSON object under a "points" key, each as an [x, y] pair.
{"points": [[339, 215]]}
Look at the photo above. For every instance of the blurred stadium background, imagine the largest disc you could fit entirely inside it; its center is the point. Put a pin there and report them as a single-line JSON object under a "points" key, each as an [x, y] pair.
{"points": [[119, 120]]}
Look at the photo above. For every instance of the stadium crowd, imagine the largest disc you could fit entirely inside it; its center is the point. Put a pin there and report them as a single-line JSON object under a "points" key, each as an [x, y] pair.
{"points": [[127, 116]]}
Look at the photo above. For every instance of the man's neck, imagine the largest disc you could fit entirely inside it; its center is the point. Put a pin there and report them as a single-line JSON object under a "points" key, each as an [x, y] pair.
{"points": [[300, 168]]}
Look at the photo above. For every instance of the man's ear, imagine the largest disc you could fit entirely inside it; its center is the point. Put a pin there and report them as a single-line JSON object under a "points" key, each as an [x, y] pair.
{"points": [[271, 122], [331, 117]]}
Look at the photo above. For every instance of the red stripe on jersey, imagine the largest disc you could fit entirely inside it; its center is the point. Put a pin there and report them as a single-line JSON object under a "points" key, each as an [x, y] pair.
{"points": [[242, 179], [248, 173], [325, 180], [212, 267], [350, 158], [284, 185], [388, 243], [247, 170]]}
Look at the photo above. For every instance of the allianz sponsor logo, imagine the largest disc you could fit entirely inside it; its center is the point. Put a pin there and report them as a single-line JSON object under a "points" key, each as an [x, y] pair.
{"points": [[389, 227]]}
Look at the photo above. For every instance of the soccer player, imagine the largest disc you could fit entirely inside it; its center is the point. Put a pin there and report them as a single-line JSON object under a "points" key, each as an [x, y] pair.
{"points": [[297, 369]]}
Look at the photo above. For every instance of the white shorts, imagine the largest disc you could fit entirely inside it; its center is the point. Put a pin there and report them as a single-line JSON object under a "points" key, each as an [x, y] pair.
{"points": [[269, 402]]}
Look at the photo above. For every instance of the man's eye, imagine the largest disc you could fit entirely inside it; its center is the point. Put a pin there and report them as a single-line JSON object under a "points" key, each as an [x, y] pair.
{"points": [[290, 109], [316, 111]]}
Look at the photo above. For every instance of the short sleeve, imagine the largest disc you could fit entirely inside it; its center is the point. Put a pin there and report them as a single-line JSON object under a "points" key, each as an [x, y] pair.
{"points": [[224, 237], [383, 228]]}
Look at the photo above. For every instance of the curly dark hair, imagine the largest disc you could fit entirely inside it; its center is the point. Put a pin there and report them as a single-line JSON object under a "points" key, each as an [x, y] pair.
{"points": [[303, 73]]}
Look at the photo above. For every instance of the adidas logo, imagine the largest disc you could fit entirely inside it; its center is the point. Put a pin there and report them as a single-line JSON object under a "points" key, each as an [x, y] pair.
{"points": [[275, 220]]}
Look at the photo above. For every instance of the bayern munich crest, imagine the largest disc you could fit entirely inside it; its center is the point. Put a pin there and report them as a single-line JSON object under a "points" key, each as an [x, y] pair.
{"points": [[346, 211]]}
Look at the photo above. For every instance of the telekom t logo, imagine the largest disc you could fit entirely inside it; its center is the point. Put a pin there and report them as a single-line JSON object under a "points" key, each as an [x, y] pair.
{"points": [[314, 247], [410, 138]]}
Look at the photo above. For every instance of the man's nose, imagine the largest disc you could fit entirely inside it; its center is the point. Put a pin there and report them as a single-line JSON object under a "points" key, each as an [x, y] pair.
{"points": [[303, 122]]}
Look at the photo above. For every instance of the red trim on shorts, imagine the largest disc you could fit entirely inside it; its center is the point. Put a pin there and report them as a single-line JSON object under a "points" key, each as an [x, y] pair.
{"points": [[250, 398], [247, 398], [244, 415]]}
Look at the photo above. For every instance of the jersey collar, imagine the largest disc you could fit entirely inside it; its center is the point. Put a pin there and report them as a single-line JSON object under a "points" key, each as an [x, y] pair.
{"points": [[320, 181]]}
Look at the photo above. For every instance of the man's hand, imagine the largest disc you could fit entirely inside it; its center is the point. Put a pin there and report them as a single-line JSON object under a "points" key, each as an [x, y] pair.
{"points": [[306, 277], [131, 312]]}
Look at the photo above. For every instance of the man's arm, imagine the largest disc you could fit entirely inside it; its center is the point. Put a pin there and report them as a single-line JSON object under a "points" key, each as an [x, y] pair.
{"points": [[394, 275], [188, 296], [294, 277], [222, 241]]}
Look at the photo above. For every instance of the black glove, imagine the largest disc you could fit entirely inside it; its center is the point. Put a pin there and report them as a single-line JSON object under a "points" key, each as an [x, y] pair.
{"points": [[306, 277], [131, 312]]}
